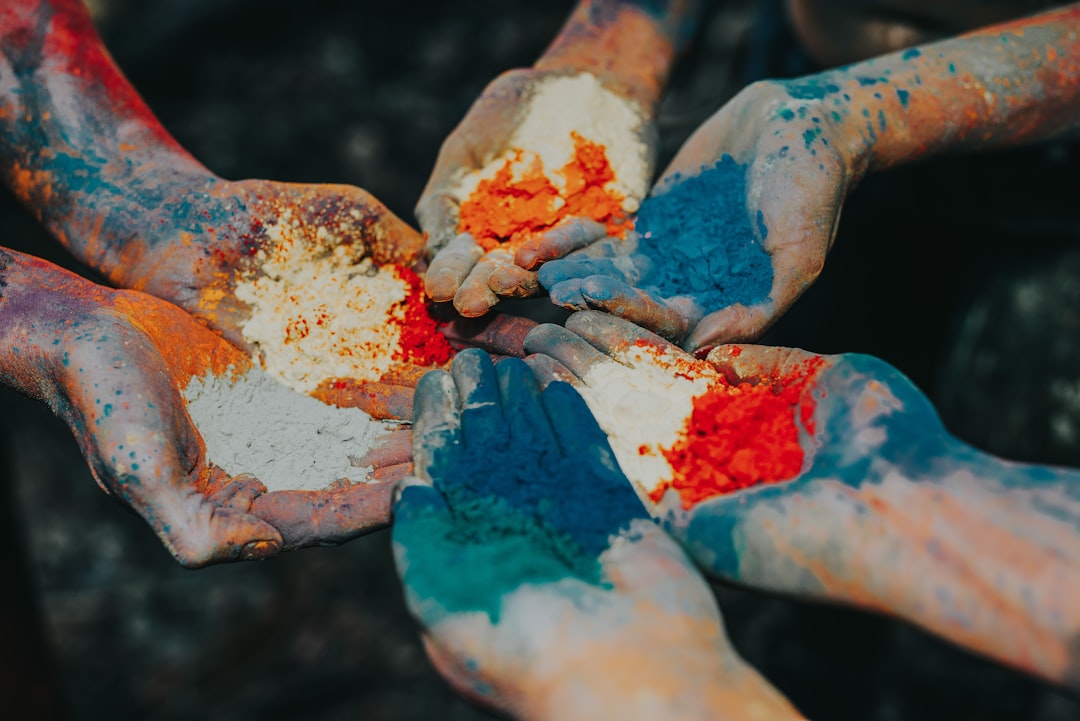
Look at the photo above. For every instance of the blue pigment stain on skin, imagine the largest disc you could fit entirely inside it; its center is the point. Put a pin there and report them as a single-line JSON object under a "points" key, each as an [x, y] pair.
{"points": [[904, 96], [811, 89], [701, 228], [911, 54], [786, 114]]}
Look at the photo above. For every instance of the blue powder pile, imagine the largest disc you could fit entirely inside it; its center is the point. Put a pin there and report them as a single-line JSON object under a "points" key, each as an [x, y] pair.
{"points": [[699, 236], [516, 510]]}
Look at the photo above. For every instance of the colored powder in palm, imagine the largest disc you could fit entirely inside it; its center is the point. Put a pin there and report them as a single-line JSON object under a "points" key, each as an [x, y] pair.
{"points": [[421, 342], [741, 435], [508, 209], [700, 235], [534, 522]]}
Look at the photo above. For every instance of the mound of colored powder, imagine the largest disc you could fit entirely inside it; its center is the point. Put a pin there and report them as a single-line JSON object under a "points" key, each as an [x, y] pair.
{"points": [[741, 435], [700, 229], [520, 200], [421, 342]]}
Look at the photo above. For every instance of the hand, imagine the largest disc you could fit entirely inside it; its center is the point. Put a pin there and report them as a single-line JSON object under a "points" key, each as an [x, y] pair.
{"points": [[175, 422], [735, 230], [542, 587], [832, 477], [544, 162]]}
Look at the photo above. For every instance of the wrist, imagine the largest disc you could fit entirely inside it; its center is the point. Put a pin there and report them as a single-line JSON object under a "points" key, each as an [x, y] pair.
{"points": [[629, 50]]}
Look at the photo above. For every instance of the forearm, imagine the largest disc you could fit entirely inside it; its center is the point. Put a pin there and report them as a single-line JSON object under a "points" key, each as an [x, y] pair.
{"points": [[78, 146], [1003, 85], [40, 304], [629, 44], [979, 551]]}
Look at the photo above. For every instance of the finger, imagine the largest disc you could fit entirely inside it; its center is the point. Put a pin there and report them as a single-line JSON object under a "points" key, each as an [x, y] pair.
{"points": [[609, 333], [451, 266], [404, 374], [437, 214], [611, 296], [379, 400], [734, 324], [309, 518], [567, 294], [748, 362], [520, 400], [547, 370], [495, 333], [482, 423], [510, 281], [437, 428], [629, 269], [475, 297], [568, 236], [236, 493], [576, 431], [395, 450], [393, 474], [566, 347]]}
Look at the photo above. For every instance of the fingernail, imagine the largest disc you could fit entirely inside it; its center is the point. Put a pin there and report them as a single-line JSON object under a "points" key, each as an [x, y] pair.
{"points": [[258, 550]]}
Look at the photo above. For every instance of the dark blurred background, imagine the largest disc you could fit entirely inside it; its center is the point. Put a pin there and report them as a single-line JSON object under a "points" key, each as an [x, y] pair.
{"points": [[962, 272]]}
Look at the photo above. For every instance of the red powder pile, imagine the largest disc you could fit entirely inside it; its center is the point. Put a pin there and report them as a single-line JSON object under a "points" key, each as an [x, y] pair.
{"points": [[741, 435], [505, 210], [421, 341]]}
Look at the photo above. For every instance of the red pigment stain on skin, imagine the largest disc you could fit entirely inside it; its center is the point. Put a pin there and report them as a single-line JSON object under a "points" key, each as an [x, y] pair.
{"points": [[421, 341], [504, 210], [741, 435]]}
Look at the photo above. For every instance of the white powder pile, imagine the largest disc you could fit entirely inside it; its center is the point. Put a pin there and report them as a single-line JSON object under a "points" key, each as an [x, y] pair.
{"points": [[559, 106], [643, 407], [289, 441], [320, 310]]}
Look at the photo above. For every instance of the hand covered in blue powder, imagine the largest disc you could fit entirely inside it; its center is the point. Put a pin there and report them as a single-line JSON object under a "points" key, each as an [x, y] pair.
{"points": [[734, 231], [888, 512], [541, 584]]}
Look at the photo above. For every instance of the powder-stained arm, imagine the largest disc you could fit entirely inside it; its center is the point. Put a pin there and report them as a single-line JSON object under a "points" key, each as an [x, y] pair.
{"points": [[893, 514], [832, 477], [619, 53], [799, 147], [115, 366], [84, 153], [541, 585]]}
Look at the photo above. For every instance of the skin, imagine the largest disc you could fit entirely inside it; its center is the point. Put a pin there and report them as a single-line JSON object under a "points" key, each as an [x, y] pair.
{"points": [[807, 143], [614, 623], [889, 512], [87, 157], [111, 364], [630, 47]]}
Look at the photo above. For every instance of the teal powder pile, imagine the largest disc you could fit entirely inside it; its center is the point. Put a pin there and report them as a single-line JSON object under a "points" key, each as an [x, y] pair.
{"points": [[699, 235]]}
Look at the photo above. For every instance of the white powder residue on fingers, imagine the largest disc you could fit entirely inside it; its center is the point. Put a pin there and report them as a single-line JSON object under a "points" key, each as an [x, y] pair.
{"points": [[643, 407], [253, 424], [320, 310], [560, 106]]}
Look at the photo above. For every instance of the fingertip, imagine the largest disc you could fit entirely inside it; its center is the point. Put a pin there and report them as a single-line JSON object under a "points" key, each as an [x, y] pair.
{"points": [[475, 302], [567, 294]]}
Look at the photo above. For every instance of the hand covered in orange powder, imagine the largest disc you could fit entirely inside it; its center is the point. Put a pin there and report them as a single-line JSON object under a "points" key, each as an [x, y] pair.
{"points": [[175, 422], [544, 162], [553, 157]]}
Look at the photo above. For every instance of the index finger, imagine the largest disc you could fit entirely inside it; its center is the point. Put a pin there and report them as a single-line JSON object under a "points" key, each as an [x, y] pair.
{"points": [[437, 427]]}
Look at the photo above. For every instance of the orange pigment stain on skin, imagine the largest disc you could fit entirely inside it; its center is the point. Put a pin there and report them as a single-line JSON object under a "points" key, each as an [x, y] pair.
{"points": [[504, 210], [741, 435], [192, 348]]}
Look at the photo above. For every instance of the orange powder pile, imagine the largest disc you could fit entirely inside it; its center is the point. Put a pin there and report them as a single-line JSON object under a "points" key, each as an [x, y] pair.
{"points": [[503, 209], [741, 435]]}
